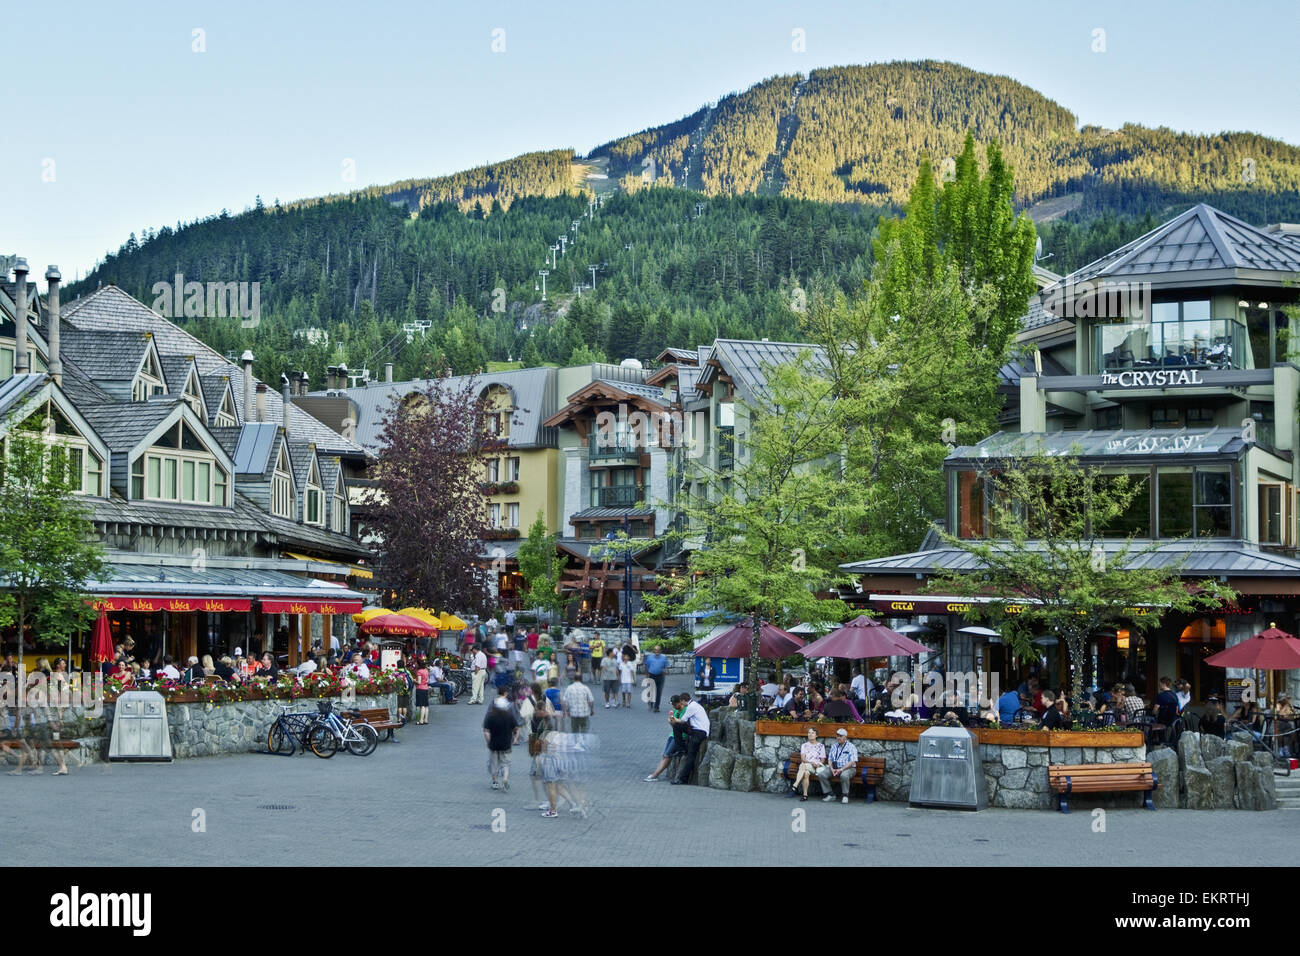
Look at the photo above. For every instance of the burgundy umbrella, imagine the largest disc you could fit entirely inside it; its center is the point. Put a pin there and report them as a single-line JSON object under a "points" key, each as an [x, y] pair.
{"points": [[737, 641], [863, 637], [1271, 650]]}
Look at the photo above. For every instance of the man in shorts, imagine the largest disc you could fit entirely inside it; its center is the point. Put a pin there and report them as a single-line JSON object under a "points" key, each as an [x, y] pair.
{"points": [[500, 733], [609, 677], [578, 704], [626, 678]]}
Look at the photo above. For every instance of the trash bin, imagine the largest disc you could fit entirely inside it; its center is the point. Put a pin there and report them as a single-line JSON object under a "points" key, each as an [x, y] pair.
{"points": [[140, 727], [948, 772]]}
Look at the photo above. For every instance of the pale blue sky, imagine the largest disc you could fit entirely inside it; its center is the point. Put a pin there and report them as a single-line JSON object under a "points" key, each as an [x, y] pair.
{"points": [[142, 131]]}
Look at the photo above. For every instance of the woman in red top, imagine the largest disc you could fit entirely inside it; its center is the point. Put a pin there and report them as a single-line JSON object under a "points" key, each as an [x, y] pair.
{"points": [[422, 691]]}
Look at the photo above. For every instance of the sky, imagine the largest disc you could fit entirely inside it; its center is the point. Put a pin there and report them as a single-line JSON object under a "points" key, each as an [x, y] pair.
{"points": [[141, 114]]}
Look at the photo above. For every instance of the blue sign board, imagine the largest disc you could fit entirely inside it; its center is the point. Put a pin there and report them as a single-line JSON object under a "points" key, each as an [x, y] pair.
{"points": [[726, 670]]}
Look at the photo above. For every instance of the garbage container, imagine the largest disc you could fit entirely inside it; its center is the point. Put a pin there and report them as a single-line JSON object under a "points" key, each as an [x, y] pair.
{"points": [[140, 727], [948, 772]]}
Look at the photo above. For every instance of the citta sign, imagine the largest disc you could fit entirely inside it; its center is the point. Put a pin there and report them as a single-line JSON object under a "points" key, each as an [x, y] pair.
{"points": [[1156, 378]]}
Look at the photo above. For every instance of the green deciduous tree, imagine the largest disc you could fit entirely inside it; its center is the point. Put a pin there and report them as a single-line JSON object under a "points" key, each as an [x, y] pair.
{"points": [[1045, 556], [766, 545], [48, 548], [542, 567]]}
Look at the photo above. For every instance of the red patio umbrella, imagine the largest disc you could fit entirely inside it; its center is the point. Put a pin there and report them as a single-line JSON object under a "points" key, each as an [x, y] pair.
{"points": [[863, 637], [737, 641], [101, 640], [398, 625], [1271, 650]]}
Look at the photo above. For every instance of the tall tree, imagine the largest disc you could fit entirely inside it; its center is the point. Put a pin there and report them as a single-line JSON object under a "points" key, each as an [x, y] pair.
{"points": [[765, 543], [1049, 570], [48, 548], [542, 567], [429, 511]]}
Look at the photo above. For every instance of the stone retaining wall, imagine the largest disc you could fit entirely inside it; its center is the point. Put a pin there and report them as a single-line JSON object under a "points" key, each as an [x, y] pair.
{"points": [[197, 729]]}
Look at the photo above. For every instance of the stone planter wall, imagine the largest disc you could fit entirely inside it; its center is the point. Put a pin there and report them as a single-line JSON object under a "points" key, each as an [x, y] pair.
{"points": [[197, 729], [744, 755]]}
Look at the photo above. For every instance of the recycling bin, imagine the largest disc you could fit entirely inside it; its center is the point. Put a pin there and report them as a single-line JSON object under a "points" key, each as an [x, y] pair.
{"points": [[948, 772], [140, 727]]}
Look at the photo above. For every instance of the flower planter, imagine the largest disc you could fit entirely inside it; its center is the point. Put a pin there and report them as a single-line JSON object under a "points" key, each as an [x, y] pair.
{"points": [[985, 735]]}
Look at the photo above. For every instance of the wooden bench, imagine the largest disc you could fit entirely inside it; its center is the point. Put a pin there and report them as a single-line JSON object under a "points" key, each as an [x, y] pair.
{"points": [[377, 718], [868, 771], [8, 745], [1066, 779]]}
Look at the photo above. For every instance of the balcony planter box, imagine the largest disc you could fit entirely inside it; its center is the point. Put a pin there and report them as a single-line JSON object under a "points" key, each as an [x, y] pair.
{"points": [[501, 534], [508, 488]]}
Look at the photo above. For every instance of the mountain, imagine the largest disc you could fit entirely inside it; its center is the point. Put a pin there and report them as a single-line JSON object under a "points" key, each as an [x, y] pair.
{"points": [[723, 222]]}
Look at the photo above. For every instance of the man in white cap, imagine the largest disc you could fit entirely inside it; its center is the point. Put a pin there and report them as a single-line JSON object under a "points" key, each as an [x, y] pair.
{"points": [[843, 757]]}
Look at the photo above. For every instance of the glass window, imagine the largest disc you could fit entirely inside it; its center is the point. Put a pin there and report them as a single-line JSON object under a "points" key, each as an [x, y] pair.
{"points": [[187, 481], [169, 478], [513, 473], [1213, 503], [6, 362], [1271, 518], [95, 475], [219, 487], [494, 516], [494, 469], [1135, 521], [1174, 494], [512, 515], [970, 505], [155, 477], [1110, 419], [203, 483]]}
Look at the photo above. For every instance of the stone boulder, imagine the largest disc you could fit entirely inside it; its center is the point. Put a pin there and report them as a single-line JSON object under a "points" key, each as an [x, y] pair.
{"points": [[745, 732], [1164, 763], [1243, 737], [1255, 788], [1212, 746], [721, 761], [742, 774], [1189, 752], [1200, 787], [1223, 782], [1238, 750]]}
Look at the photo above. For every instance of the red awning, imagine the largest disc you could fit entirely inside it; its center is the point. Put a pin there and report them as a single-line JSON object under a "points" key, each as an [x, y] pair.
{"points": [[311, 607], [178, 604]]}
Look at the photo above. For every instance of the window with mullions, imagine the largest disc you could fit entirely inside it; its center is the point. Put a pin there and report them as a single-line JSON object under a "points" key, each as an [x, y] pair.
{"points": [[1178, 416], [1195, 501], [1272, 512], [1109, 419], [1135, 520]]}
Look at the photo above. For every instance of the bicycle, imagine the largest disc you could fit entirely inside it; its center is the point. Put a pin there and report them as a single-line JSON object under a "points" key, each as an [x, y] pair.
{"points": [[289, 732], [329, 730]]}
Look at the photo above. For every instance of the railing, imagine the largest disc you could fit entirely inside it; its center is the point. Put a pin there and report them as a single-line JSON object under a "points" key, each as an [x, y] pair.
{"points": [[1200, 343], [618, 496], [726, 447], [621, 446]]}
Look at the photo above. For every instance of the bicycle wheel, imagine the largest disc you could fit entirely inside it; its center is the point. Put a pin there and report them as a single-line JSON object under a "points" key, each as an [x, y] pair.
{"points": [[364, 742], [322, 741], [279, 740]]}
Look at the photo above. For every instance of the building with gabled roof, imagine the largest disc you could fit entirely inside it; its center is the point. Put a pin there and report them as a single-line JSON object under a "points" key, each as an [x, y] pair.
{"points": [[197, 561]]}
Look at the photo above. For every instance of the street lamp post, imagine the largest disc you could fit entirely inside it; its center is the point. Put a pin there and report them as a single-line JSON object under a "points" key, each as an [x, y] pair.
{"points": [[627, 573]]}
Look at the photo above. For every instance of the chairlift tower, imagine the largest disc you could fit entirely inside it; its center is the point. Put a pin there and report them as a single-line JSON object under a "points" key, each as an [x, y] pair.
{"points": [[593, 269], [543, 273]]}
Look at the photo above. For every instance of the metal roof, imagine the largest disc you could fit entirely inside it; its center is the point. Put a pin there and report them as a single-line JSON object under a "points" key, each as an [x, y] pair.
{"points": [[747, 362], [533, 389], [654, 393], [163, 578], [1152, 442], [1201, 239], [256, 441], [1205, 557], [612, 513]]}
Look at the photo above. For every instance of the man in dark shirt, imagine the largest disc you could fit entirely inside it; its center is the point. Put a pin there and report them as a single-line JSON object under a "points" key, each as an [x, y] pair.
{"points": [[1166, 703], [500, 731], [797, 706], [1053, 716]]}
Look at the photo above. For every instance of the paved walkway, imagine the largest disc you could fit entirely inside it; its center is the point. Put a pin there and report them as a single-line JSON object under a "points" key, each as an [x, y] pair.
{"points": [[427, 801]]}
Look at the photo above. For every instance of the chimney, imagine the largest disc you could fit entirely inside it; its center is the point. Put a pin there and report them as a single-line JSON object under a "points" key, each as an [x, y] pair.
{"points": [[52, 280], [261, 401], [247, 360], [343, 374], [302, 383], [21, 362], [285, 392], [388, 371]]}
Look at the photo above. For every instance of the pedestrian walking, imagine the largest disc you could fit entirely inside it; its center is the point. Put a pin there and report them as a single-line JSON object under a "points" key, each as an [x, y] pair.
{"points": [[422, 692], [627, 678], [578, 704], [480, 669], [609, 677], [656, 665], [597, 654], [500, 731]]}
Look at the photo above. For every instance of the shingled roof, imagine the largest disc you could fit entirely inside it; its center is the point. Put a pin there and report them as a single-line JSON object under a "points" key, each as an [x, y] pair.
{"points": [[109, 309], [123, 425]]}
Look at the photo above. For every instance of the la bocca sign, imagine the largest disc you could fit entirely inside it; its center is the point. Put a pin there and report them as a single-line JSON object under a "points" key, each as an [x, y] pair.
{"points": [[1156, 378]]}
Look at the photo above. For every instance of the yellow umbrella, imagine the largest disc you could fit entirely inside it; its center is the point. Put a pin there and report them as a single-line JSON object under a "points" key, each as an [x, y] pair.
{"points": [[369, 613], [423, 614], [450, 622]]}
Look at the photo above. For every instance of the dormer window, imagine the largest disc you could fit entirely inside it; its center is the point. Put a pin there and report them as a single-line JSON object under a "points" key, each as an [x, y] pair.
{"points": [[226, 413], [69, 451], [282, 487], [148, 381], [339, 509], [179, 467], [314, 499], [192, 396]]}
